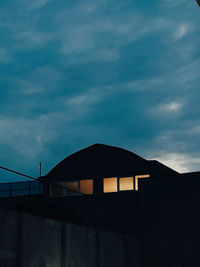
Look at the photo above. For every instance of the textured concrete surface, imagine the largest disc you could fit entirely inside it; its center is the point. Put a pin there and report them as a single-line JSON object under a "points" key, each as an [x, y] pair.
{"points": [[80, 246], [8, 238], [41, 242], [32, 241], [118, 250]]}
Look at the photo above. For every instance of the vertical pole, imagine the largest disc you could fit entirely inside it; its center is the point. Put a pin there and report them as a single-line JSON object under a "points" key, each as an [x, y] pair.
{"points": [[10, 190], [29, 188], [40, 169]]}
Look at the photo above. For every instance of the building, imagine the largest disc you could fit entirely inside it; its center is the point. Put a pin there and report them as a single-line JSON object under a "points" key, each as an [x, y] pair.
{"points": [[110, 188], [100, 169], [97, 182]]}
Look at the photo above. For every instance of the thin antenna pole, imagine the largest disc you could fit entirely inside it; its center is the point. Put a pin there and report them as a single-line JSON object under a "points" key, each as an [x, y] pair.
{"points": [[19, 173], [40, 169]]}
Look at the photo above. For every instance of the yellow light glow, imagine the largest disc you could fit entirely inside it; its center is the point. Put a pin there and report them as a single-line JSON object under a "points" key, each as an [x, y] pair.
{"points": [[126, 183], [86, 187], [110, 185], [72, 187], [140, 177]]}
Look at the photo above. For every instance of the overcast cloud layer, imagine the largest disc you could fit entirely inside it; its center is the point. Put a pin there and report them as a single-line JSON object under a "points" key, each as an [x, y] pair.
{"points": [[74, 73]]}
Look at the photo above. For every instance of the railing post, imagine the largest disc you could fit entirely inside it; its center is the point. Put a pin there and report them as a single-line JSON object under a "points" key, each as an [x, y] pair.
{"points": [[10, 190], [29, 188]]}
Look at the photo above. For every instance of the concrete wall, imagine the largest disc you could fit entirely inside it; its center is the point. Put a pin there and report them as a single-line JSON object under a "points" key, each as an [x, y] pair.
{"points": [[121, 210], [32, 241]]}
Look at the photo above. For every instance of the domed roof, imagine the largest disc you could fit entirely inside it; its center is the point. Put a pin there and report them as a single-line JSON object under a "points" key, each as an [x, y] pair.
{"points": [[98, 160]]}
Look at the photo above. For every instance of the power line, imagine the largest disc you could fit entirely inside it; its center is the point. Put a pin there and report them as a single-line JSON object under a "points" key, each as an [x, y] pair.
{"points": [[19, 173], [33, 178]]}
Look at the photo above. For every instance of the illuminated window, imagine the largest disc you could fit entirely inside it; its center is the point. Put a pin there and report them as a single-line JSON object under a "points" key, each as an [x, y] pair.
{"points": [[86, 187], [72, 188], [140, 177], [126, 183], [57, 189], [110, 185]]}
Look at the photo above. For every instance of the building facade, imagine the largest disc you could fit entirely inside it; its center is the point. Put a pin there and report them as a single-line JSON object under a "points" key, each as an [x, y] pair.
{"points": [[112, 189]]}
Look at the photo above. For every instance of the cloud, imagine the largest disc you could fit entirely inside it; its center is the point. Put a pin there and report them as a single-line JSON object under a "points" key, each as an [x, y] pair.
{"points": [[43, 79], [83, 105], [189, 73], [88, 38], [180, 31], [24, 135], [29, 88], [169, 111], [29, 38], [88, 98], [180, 162], [108, 55], [122, 73], [4, 55], [172, 107], [36, 4]]}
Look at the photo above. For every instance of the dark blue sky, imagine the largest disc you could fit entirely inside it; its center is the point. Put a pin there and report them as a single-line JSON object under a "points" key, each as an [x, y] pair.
{"points": [[74, 73]]}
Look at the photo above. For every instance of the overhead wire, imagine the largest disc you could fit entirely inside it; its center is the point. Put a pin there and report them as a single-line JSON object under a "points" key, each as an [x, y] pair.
{"points": [[19, 173]]}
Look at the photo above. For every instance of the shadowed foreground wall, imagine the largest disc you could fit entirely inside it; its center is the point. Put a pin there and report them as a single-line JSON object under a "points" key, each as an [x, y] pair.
{"points": [[32, 241], [171, 221]]}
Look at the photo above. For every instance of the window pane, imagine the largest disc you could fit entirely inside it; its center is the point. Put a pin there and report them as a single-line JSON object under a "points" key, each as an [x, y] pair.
{"points": [[109, 185], [126, 183], [72, 188], [140, 177], [86, 186], [57, 189]]}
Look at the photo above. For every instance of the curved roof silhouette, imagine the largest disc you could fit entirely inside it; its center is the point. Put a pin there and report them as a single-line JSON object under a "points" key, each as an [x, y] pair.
{"points": [[98, 160]]}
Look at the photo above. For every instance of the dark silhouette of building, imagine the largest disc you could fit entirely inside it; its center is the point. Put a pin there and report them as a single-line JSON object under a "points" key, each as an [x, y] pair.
{"points": [[100, 169], [111, 188]]}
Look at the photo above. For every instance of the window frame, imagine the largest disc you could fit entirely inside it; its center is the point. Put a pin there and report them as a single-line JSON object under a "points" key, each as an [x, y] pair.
{"points": [[64, 194], [92, 186], [126, 178], [114, 177], [135, 184], [73, 193], [140, 176]]}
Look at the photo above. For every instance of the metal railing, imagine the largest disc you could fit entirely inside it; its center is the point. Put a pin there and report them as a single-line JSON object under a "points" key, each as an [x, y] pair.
{"points": [[24, 188]]}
